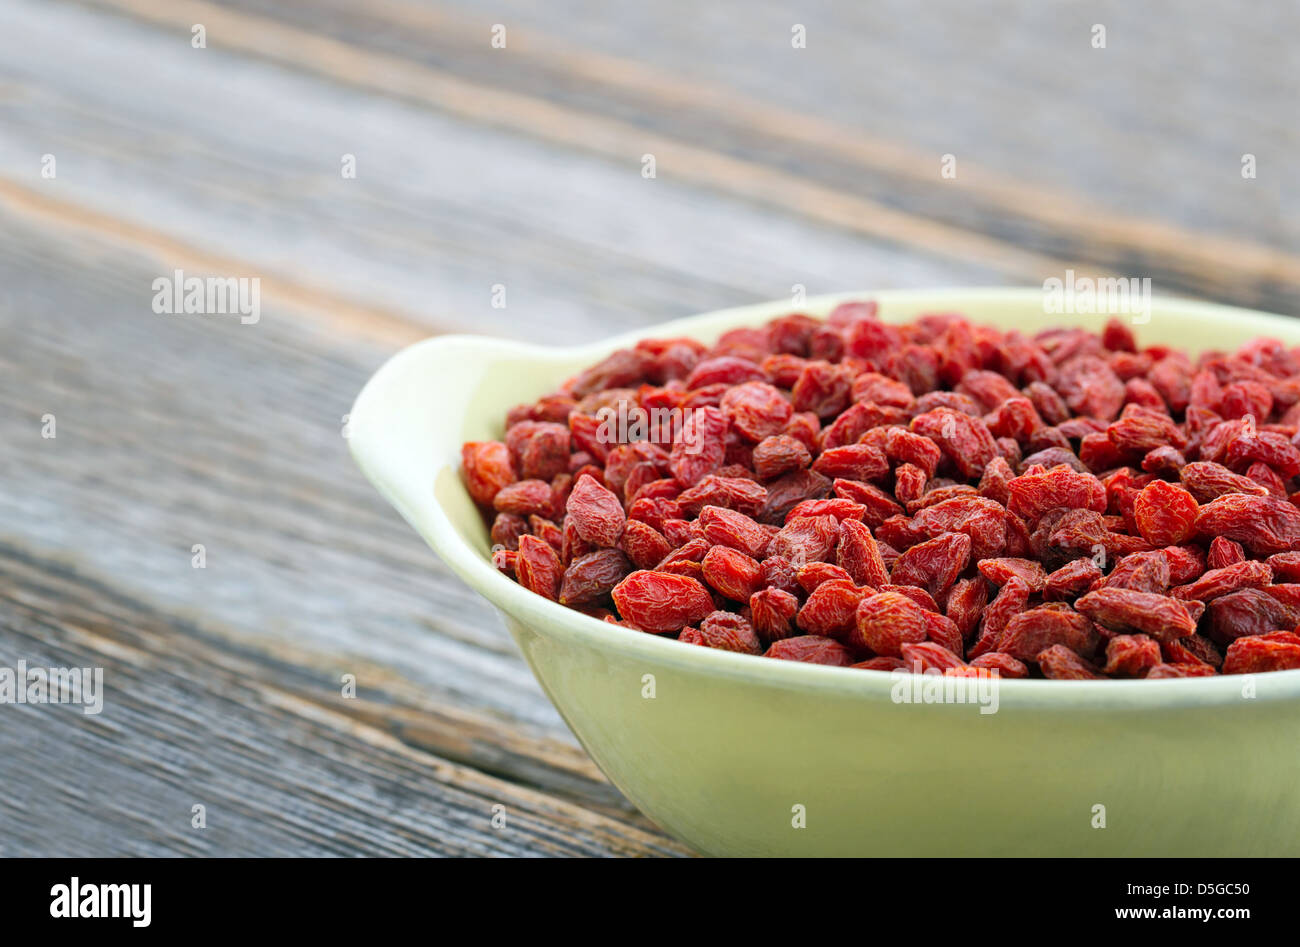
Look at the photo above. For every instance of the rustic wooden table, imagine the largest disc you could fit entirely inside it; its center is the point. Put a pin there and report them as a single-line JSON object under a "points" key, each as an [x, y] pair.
{"points": [[479, 167]]}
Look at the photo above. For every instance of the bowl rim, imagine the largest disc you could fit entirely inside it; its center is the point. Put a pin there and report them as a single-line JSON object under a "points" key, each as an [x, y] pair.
{"points": [[551, 618]]}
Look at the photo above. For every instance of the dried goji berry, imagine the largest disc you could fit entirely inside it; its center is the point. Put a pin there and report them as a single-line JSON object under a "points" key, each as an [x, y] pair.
{"points": [[735, 493], [1061, 663], [882, 390], [813, 574], [1180, 670], [680, 532], [1285, 565], [693, 550], [1004, 664], [780, 573], [1035, 492], [546, 531], [787, 492], [838, 508], [859, 555], [994, 483], [831, 609], [1163, 461], [1225, 552], [927, 656], [644, 545], [525, 498], [727, 631], [1247, 612], [854, 461], [983, 520], [1263, 524], [918, 595], [1071, 580], [724, 370], [1141, 572], [878, 505], [811, 649], [700, 446], [965, 440], [1193, 649], [942, 630], [506, 530], [857, 421], [539, 450], [933, 565], [1208, 481], [905, 447], [1216, 582], [880, 663], [661, 603], [909, 483], [1278, 651], [1033, 631], [1131, 655], [822, 388], [886, 621], [1185, 563], [619, 369], [505, 561], [998, 571], [590, 578], [734, 574], [595, 512], [779, 454], [1091, 388], [1126, 610], [756, 409], [772, 612], [1165, 514], [538, 567], [728, 528], [1145, 430], [487, 469], [965, 605], [1011, 600], [806, 539]]}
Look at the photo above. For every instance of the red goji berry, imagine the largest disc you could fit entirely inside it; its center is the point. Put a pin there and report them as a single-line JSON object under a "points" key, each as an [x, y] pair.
{"points": [[892, 477], [661, 603], [810, 649], [886, 621]]}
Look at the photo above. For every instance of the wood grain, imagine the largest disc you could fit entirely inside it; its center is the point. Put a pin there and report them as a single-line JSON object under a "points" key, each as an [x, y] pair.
{"points": [[476, 168], [843, 177], [441, 210], [279, 763], [224, 682]]}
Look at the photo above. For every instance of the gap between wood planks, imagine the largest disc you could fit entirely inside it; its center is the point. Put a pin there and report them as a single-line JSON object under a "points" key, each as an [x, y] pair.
{"points": [[1185, 254], [1048, 207], [110, 622], [90, 617], [383, 326], [433, 88]]}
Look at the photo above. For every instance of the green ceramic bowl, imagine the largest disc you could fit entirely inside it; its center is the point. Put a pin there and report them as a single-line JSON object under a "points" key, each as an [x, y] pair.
{"points": [[741, 755]]}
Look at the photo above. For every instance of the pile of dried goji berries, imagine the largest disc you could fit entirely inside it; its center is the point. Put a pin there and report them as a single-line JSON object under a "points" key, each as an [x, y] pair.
{"points": [[933, 496]]}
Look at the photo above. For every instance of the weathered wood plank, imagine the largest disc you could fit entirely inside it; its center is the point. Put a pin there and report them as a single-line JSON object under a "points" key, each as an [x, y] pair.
{"points": [[1146, 127], [1017, 188], [174, 431], [277, 770], [441, 210], [479, 167], [226, 680]]}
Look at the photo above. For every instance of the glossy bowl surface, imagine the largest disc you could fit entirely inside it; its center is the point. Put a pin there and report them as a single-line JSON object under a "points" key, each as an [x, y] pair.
{"points": [[739, 755]]}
